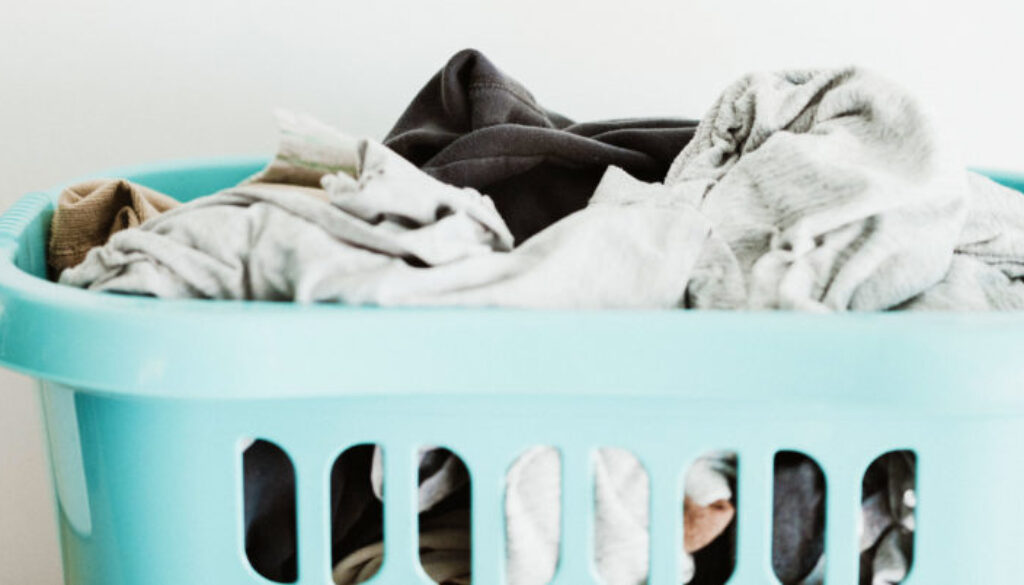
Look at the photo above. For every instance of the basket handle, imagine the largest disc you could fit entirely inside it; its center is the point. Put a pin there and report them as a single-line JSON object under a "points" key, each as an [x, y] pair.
{"points": [[17, 219]]}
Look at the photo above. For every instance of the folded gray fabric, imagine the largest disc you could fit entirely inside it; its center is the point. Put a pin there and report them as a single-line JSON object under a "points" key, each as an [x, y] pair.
{"points": [[474, 126]]}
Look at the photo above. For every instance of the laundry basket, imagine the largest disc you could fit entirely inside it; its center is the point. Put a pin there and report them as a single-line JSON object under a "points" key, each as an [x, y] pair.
{"points": [[147, 403]]}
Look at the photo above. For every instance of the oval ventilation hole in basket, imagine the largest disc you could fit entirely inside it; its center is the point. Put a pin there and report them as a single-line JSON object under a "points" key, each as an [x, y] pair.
{"points": [[533, 516], [889, 502], [445, 516], [798, 519], [269, 519], [710, 512], [357, 519]]}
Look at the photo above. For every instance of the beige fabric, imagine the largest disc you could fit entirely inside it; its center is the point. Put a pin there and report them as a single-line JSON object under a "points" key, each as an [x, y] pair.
{"points": [[703, 524], [444, 552], [308, 150], [89, 213]]}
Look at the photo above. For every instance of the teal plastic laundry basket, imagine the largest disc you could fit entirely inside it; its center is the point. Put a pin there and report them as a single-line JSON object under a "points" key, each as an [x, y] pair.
{"points": [[147, 403]]}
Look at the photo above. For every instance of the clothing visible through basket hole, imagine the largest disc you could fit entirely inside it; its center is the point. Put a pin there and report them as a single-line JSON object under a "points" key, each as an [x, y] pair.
{"points": [[798, 519], [445, 516], [533, 509], [622, 518], [710, 511], [889, 499], [270, 525], [533, 513], [357, 520]]}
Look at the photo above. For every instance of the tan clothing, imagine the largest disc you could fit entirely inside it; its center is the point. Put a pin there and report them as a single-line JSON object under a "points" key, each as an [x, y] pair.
{"points": [[308, 150], [703, 524], [89, 213], [444, 552]]}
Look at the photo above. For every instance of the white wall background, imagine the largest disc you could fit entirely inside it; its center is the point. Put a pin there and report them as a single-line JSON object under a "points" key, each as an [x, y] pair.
{"points": [[88, 85]]}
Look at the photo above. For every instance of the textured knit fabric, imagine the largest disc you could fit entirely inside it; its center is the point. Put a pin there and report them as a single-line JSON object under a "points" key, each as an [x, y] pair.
{"points": [[831, 189], [88, 213], [474, 126], [987, 271]]}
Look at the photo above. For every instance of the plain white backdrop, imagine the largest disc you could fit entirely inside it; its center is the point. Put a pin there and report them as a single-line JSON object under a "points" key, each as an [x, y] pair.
{"points": [[104, 83]]}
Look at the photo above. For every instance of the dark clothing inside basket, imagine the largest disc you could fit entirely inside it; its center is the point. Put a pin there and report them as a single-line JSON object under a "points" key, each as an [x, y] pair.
{"points": [[356, 512], [798, 535], [799, 516], [270, 508], [270, 517], [474, 126]]}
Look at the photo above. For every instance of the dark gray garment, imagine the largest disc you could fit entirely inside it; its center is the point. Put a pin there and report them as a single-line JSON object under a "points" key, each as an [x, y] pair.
{"points": [[887, 536], [474, 126], [798, 527], [270, 521], [356, 514], [270, 511]]}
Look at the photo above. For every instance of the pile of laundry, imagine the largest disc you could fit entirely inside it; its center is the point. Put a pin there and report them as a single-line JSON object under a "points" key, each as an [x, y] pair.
{"points": [[823, 190]]}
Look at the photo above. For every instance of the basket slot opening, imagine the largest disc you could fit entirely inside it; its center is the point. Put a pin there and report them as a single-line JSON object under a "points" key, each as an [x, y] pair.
{"points": [[798, 519], [533, 511], [710, 516], [445, 515], [622, 487], [889, 496], [269, 524], [357, 519]]}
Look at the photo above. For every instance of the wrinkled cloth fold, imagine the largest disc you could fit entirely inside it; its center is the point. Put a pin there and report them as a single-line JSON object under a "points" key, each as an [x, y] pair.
{"points": [[370, 243], [987, 271], [831, 189], [88, 213], [257, 242], [472, 125], [307, 150]]}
